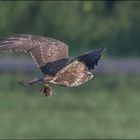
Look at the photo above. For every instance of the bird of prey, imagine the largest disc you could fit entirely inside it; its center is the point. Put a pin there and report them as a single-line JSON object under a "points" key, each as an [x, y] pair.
{"points": [[51, 56]]}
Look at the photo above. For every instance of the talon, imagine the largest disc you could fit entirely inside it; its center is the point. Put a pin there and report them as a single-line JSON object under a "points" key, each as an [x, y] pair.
{"points": [[46, 91]]}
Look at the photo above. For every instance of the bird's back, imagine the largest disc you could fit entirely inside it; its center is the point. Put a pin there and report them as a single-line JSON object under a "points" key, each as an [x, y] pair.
{"points": [[79, 70], [73, 74]]}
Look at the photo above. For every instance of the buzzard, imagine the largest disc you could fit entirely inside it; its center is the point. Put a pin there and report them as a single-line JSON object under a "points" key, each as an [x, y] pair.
{"points": [[51, 56]]}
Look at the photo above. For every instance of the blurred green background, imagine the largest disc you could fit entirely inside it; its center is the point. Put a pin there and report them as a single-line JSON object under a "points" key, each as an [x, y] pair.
{"points": [[105, 107]]}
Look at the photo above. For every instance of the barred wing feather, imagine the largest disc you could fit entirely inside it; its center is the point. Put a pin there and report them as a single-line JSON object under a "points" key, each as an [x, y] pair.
{"points": [[44, 50]]}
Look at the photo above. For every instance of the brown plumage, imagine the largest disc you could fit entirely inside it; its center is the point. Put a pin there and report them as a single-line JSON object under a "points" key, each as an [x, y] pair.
{"points": [[51, 56]]}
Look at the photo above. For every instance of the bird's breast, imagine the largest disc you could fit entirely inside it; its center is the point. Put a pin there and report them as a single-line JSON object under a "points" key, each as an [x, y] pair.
{"points": [[73, 74]]}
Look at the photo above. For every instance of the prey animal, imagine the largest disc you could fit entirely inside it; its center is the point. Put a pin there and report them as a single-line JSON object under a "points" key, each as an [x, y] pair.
{"points": [[51, 56]]}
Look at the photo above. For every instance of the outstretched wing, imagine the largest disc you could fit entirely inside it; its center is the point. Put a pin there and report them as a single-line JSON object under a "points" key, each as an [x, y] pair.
{"points": [[90, 59], [49, 54]]}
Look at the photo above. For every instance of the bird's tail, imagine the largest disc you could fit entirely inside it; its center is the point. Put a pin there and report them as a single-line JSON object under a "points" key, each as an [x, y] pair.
{"points": [[31, 82]]}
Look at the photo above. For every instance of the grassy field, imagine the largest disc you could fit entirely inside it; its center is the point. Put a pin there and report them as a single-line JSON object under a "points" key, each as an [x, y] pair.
{"points": [[105, 107]]}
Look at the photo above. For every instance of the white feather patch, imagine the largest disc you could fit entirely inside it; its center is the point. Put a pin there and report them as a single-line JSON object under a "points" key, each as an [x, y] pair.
{"points": [[34, 59]]}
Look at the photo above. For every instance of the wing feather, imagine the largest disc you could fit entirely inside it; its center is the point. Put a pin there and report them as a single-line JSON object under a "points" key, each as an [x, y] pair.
{"points": [[43, 50], [90, 59]]}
